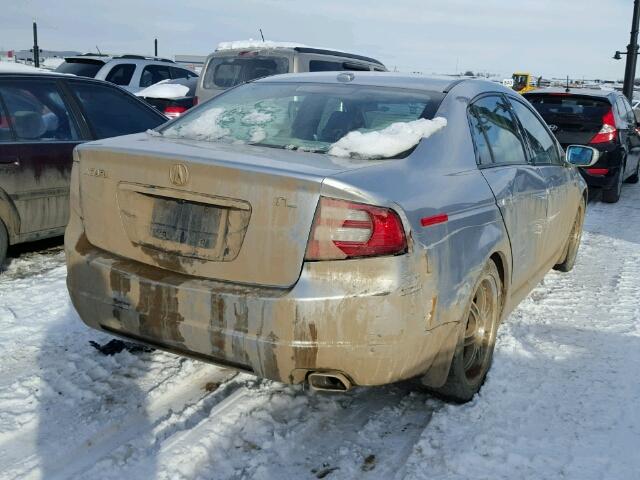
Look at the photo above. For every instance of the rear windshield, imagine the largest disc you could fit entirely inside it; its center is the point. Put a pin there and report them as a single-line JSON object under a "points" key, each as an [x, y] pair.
{"points": [[82, 68], [302, 116], [552, 107], [225, 72]]}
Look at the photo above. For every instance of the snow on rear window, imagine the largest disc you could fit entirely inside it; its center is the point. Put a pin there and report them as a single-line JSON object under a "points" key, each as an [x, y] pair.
{"points": [[343, 120], [388, 142]]}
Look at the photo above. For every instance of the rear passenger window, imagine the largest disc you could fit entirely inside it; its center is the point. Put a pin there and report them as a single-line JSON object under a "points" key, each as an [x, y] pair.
{"points": [[495, 132], [324, 66], [111, 112], [543, 147], [5, 130], [153, 74], [631, 117], [121, 74], [181, 73], [36, 112]]}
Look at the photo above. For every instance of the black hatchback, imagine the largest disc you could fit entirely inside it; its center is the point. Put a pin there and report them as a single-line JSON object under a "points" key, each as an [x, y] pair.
{"points": [[602, 119], [42, 118]]}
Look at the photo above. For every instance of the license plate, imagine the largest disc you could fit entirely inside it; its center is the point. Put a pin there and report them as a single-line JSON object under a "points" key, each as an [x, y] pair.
{"points": [[185, 223]]}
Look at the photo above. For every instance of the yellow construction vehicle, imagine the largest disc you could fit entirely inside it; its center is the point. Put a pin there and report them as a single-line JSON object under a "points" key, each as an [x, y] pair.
{"points": [[525, 82]]}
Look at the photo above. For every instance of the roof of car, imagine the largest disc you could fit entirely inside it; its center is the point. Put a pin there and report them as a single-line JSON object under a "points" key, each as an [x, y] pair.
{"points": [[380, 79], [587, 92], [109, 58]]}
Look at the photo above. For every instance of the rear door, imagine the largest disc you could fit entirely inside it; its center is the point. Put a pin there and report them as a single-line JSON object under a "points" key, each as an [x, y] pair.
{"points": [[38, 138], [628, 134], [519, 188], [545, 155]]}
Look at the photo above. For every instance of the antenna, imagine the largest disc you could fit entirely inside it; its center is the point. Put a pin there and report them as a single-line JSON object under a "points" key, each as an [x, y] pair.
{"points": [[99, 52], [261, 34], [567, 88]]}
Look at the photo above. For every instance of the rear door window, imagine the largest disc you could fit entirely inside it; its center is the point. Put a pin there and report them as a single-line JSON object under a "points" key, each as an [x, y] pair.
{"points": [[5, 129], [121, 74], [328, 66], [112, 112], [37, 112], [225, 72], [181, 73], [495, 132], [541, 143], [153, 74]]}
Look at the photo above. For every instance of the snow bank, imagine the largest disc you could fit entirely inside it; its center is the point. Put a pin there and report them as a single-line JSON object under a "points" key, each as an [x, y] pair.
{"points": [[251, 43], [164, 90], [13, 67], [388, 142]]}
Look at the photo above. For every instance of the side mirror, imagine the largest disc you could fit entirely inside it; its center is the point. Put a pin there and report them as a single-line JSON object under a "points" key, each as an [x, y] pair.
{"points": [[582, 156]]}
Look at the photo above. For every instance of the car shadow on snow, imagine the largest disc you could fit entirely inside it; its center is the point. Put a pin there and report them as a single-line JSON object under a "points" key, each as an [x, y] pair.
{"points": [[616, 220], [90, 404], [21, 257]]}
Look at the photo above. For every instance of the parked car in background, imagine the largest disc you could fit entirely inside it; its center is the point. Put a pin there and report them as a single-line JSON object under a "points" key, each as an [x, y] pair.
{"points": [[131, 72], [171, 97], [42, 118], [602, 119], [238, 62], [298, 228]]}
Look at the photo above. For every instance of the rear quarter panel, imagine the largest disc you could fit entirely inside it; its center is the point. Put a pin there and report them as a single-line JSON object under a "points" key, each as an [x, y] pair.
{"points": [[440, 176]]}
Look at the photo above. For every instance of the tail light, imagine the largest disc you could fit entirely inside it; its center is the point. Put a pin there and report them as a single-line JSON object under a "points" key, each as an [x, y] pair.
{"points": [[343, 229], [174, 112], [608, 132], [597, 171]]}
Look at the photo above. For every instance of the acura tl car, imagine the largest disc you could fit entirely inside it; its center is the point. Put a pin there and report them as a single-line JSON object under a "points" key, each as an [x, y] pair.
{"points": [[337, 229]]}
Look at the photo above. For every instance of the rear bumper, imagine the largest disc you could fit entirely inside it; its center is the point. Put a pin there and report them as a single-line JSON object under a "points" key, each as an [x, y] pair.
{"points": [[611, 157], [600, 181], [373, 320]]}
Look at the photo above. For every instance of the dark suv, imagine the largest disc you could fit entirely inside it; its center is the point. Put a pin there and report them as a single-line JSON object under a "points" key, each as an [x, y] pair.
{"points": [[602, 119], [42, 118]]}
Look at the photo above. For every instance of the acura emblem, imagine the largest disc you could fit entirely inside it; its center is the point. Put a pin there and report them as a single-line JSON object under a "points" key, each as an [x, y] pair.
{"points": [[179, 174]]}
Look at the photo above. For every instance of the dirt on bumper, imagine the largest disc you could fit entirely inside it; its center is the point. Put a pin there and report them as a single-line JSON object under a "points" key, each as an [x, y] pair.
{"points": [[372, 320]]}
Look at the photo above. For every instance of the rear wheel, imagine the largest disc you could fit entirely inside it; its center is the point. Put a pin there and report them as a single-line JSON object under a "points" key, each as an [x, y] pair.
{"points": [[573, 242], [474, 352], [612, 195], [4, 243]]}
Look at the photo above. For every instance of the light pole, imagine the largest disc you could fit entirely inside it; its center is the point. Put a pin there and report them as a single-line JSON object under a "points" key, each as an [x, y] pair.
{"points": [[632, 54]]}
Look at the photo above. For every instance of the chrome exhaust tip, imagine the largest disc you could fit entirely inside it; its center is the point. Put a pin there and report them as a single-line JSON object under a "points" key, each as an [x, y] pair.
{"points": [[329, 382]]}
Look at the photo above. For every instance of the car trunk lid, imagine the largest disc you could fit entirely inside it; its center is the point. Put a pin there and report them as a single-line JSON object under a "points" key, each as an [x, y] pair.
{"points": [[574, 119], [233, 213]]}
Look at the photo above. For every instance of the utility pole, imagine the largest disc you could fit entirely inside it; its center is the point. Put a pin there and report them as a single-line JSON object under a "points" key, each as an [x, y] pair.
{"points": [[155, 47], [632, 54], [36, 49]]}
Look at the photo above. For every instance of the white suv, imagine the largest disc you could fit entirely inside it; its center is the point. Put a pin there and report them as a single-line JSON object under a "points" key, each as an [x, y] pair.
{"points": [[131, 72]]}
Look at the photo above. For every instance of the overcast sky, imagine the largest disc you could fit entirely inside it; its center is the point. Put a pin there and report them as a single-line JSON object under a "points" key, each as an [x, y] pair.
{"points": [[546, 37]]}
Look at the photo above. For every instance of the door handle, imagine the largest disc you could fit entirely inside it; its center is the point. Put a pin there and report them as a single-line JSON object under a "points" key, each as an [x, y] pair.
{"points": [[9, 160]]}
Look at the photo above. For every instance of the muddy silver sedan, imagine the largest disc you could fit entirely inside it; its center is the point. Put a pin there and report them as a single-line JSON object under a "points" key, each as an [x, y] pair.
{"points": [[334, 229]]}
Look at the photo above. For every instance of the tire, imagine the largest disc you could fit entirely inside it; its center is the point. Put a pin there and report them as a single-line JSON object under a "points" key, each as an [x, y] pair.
{"points": [[573, 242], [612, 195], [4, 244], [474, 352], [636, 175]]}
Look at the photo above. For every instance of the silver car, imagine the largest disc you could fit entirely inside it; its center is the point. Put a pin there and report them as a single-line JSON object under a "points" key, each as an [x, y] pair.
{"points": [[338, 229]]}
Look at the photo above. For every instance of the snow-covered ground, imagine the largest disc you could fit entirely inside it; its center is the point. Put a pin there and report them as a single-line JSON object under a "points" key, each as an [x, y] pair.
{"points": [[560, 402]]}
